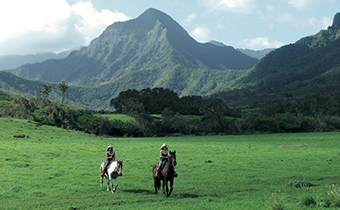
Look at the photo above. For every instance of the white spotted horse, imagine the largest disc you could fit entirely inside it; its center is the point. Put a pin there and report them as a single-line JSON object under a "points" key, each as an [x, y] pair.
{"points": [[113, 171]]}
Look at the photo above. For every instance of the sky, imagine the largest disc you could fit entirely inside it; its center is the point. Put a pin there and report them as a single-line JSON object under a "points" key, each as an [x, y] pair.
{"points": [[36, 26]]}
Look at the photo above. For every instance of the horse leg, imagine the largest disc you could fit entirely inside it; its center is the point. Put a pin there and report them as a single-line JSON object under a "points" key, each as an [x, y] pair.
{"points": [[167, 188], [171, 186], [101, 177], [163, 186], [157, 184], [114, 190], [108, 183], [111, 186]]}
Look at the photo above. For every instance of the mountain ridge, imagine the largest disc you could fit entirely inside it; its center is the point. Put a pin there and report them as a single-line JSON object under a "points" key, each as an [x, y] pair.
{"points": [[152, 42], [308, 66]]}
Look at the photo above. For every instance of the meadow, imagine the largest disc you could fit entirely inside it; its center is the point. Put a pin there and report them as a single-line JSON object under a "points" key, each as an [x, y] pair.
{"points": [[44, 167]]}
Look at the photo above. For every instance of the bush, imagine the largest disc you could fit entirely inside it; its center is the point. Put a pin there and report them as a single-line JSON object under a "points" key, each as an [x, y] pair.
{"points": [[308, 201], [330, 196]]}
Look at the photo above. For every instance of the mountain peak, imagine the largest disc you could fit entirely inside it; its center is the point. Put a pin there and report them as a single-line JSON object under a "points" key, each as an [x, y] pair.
{"points": [[153, 12], [152, 15], [336, 22]]}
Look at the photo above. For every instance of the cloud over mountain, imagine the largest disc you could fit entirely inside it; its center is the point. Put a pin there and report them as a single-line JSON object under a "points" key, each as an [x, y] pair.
{"points": [[30, 27]]}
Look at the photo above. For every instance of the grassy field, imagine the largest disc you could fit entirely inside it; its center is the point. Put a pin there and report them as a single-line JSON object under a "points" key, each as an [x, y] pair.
{"points": [[44, 167], [121, 117]]}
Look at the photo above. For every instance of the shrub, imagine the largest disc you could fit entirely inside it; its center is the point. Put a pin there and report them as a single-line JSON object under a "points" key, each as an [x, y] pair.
{"points": [[308, 201], [300, 184], [330, 196], [276, 201]]}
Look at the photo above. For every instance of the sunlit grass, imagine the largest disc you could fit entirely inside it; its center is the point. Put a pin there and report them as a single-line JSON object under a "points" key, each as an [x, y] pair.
{"points": [[52, 168]]}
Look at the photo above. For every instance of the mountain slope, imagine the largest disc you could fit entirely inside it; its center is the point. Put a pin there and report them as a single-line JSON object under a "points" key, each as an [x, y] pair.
{"points": [[306, 63], [153, 43]]}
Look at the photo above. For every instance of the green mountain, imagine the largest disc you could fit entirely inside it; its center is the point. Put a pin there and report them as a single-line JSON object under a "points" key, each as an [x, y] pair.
{"points": [[154, 51], [259, 54], [310, 65], [146, 50]]}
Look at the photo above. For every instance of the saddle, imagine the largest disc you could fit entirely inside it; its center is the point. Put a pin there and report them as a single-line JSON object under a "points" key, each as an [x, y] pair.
{"points": [[163, 164], [109, 165]]}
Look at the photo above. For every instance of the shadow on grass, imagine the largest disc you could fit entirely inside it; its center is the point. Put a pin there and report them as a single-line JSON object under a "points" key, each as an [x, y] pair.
{"points": [[187, 195], [139, 191]]}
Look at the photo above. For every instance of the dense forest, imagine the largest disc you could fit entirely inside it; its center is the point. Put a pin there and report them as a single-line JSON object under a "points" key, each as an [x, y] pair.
{"points": [[191, 115]]}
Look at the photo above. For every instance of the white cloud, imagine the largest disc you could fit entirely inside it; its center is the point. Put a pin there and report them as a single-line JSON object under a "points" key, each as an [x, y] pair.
{"points": [[202, 34], [270, 8], [234, 6], [37, 25], [326, 21], [260, 43], [302, 4], [287, 18], [188, 20]]}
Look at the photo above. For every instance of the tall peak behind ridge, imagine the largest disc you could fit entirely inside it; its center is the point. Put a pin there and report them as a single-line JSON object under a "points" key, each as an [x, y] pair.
{"points": [[336, 22], [152, 45]]}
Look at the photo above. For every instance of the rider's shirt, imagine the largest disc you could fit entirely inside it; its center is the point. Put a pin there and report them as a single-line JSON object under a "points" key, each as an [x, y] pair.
{"points": [[164, 153], [111, 153]]}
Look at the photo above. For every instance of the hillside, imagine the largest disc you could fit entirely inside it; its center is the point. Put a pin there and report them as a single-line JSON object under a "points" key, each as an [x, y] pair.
{"points": [[146, 50], [310, 65], [112, 64], [258, 54]]}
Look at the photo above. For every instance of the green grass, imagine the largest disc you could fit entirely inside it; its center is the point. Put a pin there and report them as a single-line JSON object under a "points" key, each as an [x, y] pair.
{"points": [[121, 117], [51, 168]]}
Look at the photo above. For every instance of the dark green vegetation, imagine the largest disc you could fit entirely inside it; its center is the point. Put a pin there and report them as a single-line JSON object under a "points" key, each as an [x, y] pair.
{"points": [[181, 116], [52, 168], [44, 112]]}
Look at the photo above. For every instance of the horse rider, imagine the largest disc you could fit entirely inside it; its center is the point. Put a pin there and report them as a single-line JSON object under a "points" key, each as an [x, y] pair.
{"points": [[163, 157], [110, 156]]}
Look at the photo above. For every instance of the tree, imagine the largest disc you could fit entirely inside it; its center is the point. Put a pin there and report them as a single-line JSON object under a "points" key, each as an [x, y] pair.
{"points": [[213, 111], [63, 87], [46, 89]]}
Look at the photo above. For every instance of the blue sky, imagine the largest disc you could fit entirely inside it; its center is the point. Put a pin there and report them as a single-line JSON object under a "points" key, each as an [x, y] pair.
{"points": [[37, 26]]}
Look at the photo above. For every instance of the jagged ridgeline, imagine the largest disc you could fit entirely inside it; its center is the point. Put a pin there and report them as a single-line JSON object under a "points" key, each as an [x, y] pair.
{"points": [[309, 66], [152, 50]]}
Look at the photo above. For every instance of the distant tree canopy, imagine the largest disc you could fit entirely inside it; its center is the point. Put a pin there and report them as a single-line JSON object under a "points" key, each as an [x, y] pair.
{"points": [[46, 90], [154, 101], [63, 87], [316, 113]]}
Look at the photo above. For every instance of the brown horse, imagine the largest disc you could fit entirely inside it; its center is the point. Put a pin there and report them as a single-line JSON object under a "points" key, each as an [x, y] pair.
{"points": [[114, 170], [166, 174]]}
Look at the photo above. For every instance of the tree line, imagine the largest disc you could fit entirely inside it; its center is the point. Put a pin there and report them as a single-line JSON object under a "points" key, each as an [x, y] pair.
{"points": [[189, 115], [320, 112]]}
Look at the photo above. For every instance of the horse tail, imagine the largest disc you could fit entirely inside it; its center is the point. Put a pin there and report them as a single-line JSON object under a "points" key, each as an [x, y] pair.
{"points": [[157, 183], [101, 169]]}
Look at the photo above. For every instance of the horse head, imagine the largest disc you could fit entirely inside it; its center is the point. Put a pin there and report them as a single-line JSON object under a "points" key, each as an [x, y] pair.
{"points": [[119, 167], [173, 157]]}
